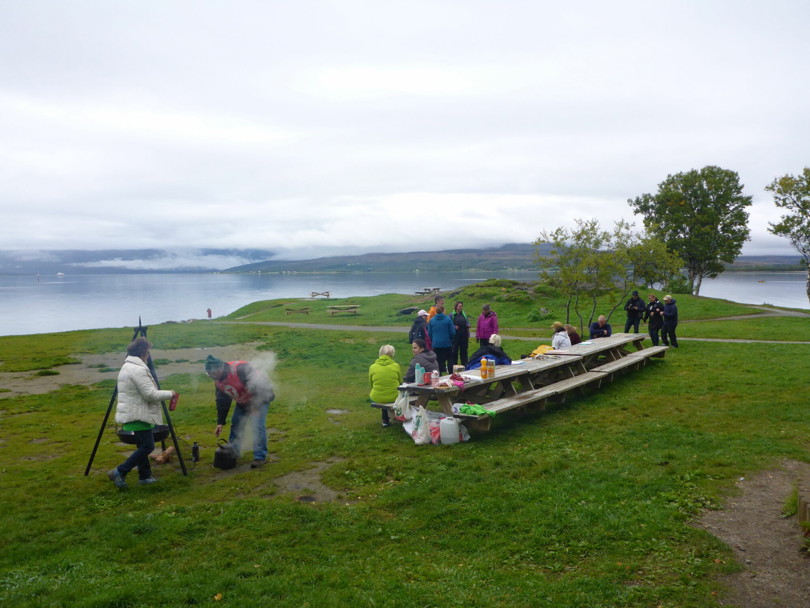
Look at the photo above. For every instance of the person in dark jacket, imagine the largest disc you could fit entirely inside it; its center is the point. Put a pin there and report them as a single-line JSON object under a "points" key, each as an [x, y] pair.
{"points": [[251, 389], [462, 340], [654, 317], [600, 328], [635, 311], [670, 322], [573, 335], [423, 357], [441, 332], [492, 350], [419, 327]]}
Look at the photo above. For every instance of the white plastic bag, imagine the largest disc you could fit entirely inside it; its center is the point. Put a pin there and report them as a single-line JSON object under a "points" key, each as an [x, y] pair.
{"points": [[402, 407], [421, 427]]}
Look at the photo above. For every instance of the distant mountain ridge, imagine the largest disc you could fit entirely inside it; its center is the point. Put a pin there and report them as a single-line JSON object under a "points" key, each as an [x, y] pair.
{"points": [[512, 256]]}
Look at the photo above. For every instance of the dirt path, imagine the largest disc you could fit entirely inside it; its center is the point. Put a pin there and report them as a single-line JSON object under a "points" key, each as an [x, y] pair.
{"points": [[776, 571]]}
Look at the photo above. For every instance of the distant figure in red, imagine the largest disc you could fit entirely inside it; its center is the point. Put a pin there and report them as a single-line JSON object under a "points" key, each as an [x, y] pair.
{"points": [[209, 313]]}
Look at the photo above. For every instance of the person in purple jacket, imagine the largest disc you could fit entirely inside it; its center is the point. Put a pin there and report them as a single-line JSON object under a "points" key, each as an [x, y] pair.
{"points": [[487, 325]]}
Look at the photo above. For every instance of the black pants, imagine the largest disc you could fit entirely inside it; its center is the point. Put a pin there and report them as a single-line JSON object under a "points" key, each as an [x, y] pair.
{"points": [[668, 336], [631, 323], [654, 331], [460, 350], [443, 356], [145, 444]]}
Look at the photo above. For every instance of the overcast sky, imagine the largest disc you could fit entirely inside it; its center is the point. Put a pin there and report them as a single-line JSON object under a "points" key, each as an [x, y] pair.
{"points": [[316, 127]]}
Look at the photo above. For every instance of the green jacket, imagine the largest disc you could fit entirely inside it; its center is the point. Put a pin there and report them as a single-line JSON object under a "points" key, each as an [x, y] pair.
{"points": [[384, 378]]}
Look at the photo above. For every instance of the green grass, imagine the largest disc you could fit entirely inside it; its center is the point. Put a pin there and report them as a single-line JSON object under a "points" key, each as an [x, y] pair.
{"points": [[586, 504]]}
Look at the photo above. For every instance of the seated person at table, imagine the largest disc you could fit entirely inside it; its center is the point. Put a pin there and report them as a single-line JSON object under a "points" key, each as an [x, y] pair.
{"points": [[573, 335], [559, 338], [424, 357], [384, 378], [600, 328], [492, 350]]}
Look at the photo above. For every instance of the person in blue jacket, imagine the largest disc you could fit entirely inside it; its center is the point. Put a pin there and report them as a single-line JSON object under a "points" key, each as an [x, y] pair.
{"points": [[600, 328], [670, 322], [442, 331], [492, 350]]}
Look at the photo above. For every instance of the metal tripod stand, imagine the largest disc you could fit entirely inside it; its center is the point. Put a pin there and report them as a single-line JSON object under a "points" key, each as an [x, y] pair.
{"points": [[139, 331]]}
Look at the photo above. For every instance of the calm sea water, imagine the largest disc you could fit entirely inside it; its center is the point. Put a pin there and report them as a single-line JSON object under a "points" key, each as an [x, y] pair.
{"points": [[51, 304]]}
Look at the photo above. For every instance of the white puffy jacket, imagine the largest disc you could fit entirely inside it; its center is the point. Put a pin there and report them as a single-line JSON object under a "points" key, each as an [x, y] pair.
{"points": [[138, 396]]}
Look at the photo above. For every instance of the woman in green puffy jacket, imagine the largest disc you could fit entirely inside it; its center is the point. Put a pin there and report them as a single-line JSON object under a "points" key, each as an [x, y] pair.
{"points": [[384, 378]]}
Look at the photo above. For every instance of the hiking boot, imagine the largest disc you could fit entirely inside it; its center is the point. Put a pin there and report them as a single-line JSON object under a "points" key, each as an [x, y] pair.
{"points": [[147, 481], [258, 463], [116, 478]]}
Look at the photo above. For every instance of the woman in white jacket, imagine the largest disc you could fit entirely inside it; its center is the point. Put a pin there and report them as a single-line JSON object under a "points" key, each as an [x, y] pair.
{"points": [[138, 410]]}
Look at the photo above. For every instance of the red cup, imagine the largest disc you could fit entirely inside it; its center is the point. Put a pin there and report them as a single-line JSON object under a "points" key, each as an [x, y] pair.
{"points": [[426, 378], [173, 402]]}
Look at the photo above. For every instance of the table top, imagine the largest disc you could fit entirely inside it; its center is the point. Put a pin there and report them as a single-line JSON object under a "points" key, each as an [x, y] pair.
{"points": [[502, 372], [597, 345]]}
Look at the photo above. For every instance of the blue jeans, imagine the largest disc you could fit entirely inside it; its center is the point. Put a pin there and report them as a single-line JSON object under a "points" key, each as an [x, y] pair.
{"points": [[256, 416], [145, 444]]}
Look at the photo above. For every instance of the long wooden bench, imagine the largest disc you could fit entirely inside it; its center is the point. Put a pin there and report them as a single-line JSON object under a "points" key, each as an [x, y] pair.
{"points": [[540, 395], [652, 351]]}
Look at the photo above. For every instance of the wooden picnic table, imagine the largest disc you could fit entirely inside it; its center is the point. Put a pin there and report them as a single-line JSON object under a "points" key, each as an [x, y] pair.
{"points": [[523, 377], [532, 382], [598, 350], [317, 294], [345, 308]]}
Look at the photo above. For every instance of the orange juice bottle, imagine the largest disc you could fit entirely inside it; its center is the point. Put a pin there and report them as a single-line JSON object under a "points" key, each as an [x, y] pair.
{"points": [[484, 369]]}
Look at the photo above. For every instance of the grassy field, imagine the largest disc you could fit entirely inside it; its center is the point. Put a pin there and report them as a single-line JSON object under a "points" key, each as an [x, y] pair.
{"points": [[587, 504]]}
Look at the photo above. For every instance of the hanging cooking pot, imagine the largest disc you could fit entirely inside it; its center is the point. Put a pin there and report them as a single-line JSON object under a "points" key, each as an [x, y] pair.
{"points": [[224, 456], [160, 432]]}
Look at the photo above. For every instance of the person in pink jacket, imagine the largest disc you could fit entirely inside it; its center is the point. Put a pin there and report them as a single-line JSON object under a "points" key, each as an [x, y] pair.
{"points": [[487, 325]]}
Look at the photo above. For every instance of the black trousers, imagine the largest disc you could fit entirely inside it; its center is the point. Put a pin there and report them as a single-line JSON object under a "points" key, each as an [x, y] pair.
{"points": [[443, 355], [668, 336]]}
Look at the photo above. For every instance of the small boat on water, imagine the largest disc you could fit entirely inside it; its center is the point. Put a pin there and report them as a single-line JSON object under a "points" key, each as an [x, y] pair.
{"points": [[60, 274]]}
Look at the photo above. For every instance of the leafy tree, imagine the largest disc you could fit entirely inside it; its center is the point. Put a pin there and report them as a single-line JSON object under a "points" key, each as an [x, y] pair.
{"points": [[701, 216], [589, 263], [793, 194]]}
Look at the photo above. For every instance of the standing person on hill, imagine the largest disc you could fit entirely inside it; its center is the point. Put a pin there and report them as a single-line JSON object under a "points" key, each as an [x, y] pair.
{"points": [[573, 335], [419, 327], [384, 378], [670, 322], [424, 357], [462, 340], [635, 311], [251, 389], [487, 325], [437, 301], [654, 317], [138, 410], [442, 332]]}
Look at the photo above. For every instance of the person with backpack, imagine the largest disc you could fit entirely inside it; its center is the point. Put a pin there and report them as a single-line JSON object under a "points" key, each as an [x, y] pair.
{"points": [[419, 329]]}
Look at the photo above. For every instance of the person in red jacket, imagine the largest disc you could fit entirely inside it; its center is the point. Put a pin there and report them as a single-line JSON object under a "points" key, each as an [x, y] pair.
{"points": [[239, 381]]}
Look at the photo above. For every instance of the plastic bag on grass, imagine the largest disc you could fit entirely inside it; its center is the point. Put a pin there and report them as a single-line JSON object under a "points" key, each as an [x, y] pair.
{"points": [[402, 407]]}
